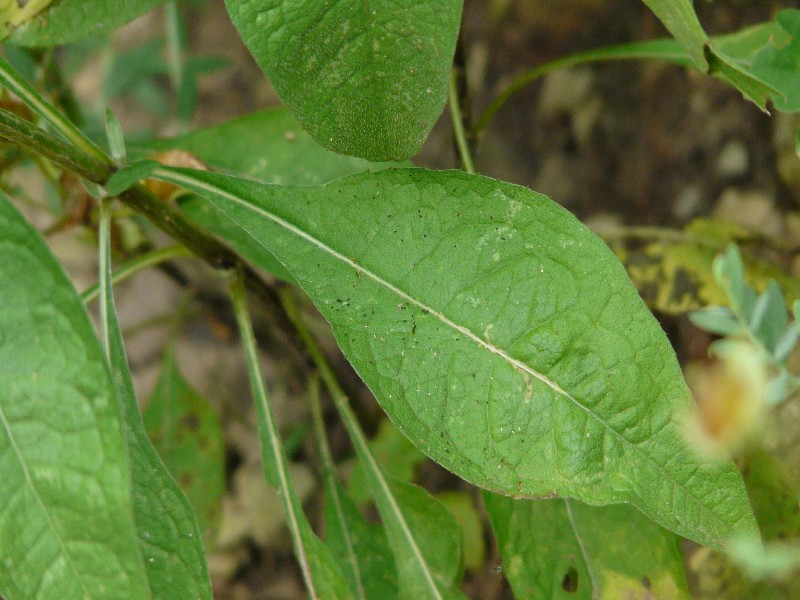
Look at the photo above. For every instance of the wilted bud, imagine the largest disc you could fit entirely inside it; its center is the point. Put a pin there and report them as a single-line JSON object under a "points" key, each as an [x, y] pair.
{"points": [[730, 394]]}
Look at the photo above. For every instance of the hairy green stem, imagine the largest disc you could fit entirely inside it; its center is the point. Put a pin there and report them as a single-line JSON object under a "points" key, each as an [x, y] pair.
{"points": [[458, 125], [14, 82], [33, 138]]}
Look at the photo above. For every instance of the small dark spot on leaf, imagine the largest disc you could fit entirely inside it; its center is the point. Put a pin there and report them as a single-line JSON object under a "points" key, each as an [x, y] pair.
{"points": [[186, 480], [191, 422], [570, 581], [646, 583]]}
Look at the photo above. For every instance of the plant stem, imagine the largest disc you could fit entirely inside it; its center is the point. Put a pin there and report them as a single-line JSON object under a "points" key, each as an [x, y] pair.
{"points": [[34, 139], [458, 125], [14, 82], [104, 267], [651, 50], [130, 268], [273, 453], [162, 214]]}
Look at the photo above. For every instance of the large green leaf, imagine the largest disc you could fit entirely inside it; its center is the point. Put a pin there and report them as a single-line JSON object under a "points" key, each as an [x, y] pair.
{"points": [[66, 21], [367, 79], [499, 334], [169, 536], [66, 515], [566, 549]]}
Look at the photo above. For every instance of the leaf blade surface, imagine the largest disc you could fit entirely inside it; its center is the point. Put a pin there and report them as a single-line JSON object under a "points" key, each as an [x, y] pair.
{"points": [[499, 334], [66, 517], [365, 79]]}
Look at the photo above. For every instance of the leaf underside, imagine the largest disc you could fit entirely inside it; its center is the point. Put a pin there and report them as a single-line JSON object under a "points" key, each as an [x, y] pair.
{"points": [[366, 79]]}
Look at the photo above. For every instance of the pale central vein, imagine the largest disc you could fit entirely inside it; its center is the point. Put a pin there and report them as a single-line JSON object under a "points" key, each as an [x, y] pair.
{"points": [[193, 183]]}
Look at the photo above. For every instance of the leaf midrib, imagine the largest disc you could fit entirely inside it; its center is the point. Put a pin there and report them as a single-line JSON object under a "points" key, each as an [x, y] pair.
{"points": [[183, 179]]}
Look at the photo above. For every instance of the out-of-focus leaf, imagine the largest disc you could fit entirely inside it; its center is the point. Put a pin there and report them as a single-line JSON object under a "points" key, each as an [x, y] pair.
{"points": [[772, 318], [66, 21], [187, 434], [566, 549], [462, 507], [367, 80], [778, 62], [716, 319]]}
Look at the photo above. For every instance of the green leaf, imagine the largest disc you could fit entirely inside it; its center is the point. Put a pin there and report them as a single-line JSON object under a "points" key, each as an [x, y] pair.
{"points": [[67, 21], [169, 536], [366, 80], [462, 506], [321, 573], [778, 63], [436, 536], [130, 176], [716, 319], [729, 273], [769, 318], [187, 434], [397, 456], [66, 515], [499, 334], [679, 18], [269, 146], [376, 574], [566, 549]]}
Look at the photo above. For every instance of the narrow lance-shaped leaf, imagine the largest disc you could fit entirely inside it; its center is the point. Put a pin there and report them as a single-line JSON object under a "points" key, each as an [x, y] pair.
{"points": [[364, 79], [169, 536], [566, 549], [66, 516], [499, 334], [423, 535], [67, 21], [360, 547], [321, 574]]}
